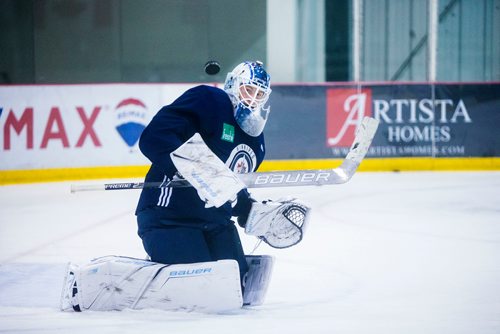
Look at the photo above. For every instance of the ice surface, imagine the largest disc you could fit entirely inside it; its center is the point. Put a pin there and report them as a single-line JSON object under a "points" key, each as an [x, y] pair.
{"points": [[384, 253]]}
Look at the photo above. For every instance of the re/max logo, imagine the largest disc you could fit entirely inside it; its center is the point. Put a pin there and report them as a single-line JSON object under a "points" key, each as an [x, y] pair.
{"points": [[190, 272], [55, 127]]}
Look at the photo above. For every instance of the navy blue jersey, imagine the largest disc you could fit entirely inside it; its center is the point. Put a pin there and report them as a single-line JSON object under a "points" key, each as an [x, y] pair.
{"points": [[208, 111]]}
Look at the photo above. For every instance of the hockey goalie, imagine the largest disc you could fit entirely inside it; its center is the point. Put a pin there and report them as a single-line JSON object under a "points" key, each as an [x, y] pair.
{"points": [[196, 260], [116, 283]]}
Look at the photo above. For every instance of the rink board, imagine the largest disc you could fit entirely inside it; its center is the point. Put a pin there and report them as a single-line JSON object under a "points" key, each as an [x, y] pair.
{"points": [[368, 165], [68, 132]]}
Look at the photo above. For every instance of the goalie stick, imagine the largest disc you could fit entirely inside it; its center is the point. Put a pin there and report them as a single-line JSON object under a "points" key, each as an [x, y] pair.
{"points": [[362, 141]]}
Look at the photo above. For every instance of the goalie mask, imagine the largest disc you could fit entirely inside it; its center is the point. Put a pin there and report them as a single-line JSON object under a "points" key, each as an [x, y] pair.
{"points": [[248, 87]]}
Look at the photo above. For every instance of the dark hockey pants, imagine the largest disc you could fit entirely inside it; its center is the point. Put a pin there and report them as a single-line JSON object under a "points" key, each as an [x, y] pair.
{"points": [[169, 242]]}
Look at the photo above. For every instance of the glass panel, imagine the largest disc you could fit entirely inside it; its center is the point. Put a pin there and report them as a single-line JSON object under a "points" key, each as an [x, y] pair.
{"points": [[170, 41], [16, 42], [79, 41], [394, 40], [469, 47]]}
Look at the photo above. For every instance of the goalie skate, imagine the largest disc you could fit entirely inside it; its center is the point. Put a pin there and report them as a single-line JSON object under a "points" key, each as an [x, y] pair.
{"points": [[69, 296], [257, 279]]}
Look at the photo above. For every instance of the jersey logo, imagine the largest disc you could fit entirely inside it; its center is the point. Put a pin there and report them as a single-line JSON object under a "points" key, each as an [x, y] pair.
{"points": [[227, 133], [242, 159]]}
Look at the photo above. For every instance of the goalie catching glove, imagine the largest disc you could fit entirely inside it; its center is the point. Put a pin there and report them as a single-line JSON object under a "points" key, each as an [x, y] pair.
{"points": [[280, 224]]}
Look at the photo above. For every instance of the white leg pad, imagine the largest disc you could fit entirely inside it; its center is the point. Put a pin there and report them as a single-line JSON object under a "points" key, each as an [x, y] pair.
{"points": [[117, 283], [257, 279]]}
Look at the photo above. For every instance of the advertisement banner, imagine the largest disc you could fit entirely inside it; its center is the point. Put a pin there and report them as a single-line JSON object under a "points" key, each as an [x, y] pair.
{"points": [[58, 126], [67, 126], [416, 120]]}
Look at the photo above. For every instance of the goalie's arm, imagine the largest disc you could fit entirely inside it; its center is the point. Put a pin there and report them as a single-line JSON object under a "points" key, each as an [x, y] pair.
{"points": [[160, 138], [172, 126]]}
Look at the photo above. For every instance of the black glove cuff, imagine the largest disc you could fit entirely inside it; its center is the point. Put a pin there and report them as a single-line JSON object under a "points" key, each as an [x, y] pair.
{"points": [[243, 207]]}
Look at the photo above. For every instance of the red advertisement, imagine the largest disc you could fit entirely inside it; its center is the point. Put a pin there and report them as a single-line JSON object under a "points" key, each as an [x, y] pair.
{"points": [[345, 107]]}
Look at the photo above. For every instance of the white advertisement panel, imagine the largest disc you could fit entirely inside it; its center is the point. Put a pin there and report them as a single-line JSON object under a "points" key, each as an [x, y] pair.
{"points": [[60, 126]]}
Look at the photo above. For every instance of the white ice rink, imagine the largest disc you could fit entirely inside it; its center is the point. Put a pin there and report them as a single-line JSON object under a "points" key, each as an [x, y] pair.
{"points": [[385, 253]]}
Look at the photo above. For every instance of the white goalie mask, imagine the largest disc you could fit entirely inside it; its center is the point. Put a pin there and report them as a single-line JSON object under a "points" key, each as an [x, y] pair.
{"points": [[248, 87]]}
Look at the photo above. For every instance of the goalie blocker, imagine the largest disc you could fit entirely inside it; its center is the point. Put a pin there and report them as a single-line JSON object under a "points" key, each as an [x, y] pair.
{"points": [[214, 182], [117, 283]]}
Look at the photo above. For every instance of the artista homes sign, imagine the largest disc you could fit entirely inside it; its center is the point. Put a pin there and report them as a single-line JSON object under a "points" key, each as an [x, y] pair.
{"points": [[409, 125]]}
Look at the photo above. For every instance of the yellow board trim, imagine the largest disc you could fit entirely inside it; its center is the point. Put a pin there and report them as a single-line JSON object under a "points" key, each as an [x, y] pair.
{"points": [[368, 165], [391, 164], [67, 174]]}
